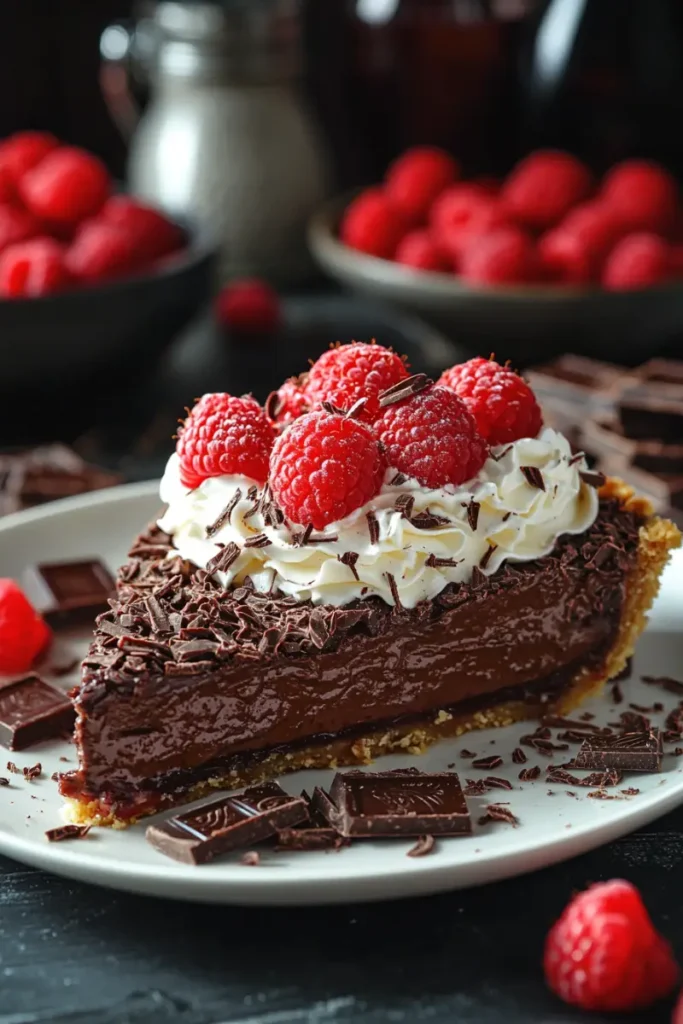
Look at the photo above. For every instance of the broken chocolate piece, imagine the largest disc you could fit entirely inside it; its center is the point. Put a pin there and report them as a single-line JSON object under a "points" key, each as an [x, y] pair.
{"points": [[227, 824], [423, 846], [30, 711], [629, 752], [314, 833], [397, 803], [69, 593], [62, 832]]}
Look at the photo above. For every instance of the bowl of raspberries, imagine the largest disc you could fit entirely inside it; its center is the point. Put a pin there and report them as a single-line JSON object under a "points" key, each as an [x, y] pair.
{"points": [[88, 275], [553, 256]]}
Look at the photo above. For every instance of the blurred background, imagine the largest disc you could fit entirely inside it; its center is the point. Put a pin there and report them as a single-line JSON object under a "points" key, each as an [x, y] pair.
{"points": [[254, 128]]}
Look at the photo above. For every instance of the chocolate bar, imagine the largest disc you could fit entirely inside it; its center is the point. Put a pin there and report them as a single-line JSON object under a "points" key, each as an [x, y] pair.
{"points": [[628, 752], [37, 475], [69, 593], [396, 803], [30, 711], [652, 411], [662, 371], [605, 440], [227, 824]]}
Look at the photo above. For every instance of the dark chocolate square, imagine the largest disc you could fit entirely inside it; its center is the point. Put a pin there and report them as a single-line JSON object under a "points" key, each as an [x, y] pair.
{"points": [[30, 711], [70, 593], [628, 752]]}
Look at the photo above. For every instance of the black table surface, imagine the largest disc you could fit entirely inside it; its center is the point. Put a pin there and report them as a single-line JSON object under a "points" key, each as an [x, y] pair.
{"points": [[70, 952]]}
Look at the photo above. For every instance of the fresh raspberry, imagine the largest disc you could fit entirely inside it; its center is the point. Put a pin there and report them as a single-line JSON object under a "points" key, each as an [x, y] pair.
{"points": [[604, 954], [372, 224], [288, 402], [432, 438], [16, 226], [504, 256], [248, 307], [463, 213], [419, 250], [31, 268], [574, 251], [642, 195], [150, 233], [224, 434], [20, 152], [503, 405], [23, 633], [346, 373], [415, 180], [100, 252], [67, 186], [541, 189], [676, 260], [638, 261], [323, 467]]}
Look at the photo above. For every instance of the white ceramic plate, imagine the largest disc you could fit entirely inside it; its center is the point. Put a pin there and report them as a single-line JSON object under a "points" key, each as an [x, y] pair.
{"points": [[552, 828]]}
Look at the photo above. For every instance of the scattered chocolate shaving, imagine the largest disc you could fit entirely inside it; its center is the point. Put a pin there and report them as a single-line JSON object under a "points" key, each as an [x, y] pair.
{"points": [[631, 791], [333, 410], [259, 541], [391, 580], [329, 538], [643, 709], [467, 753], [497, 783], [611, 777], [587, 716], [435, 562], [506, 517], [487, 763], [666, 682], [373, 526], [252, 858], [224, 517], [34, 772], [593, 479], [398, 480], [4, 781], [501, 455], [529, 774], [600, 794], [576, 458], [473, 514], [58, 835], [533, 476], [562, 722], [423, 846], [11, 767], [407, 388], [54, 777], [302, 539], [498, 812], [518, 756], [475, 787], [224, 559], [617, 694], [350, 558], [486, 557]]}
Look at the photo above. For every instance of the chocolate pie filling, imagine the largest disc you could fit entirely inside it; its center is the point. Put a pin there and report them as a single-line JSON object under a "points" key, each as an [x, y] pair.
{"points": [[190, 681]]}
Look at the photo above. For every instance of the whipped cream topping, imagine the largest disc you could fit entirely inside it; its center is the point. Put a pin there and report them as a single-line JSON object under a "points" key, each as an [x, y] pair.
{"points": [[407, 543]]}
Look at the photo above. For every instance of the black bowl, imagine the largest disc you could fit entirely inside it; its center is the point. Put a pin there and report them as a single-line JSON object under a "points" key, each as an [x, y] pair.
{"points": [[99, 335]]}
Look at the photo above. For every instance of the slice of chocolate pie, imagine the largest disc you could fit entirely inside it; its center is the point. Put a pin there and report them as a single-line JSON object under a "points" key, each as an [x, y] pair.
{"points": [[243, 644]]}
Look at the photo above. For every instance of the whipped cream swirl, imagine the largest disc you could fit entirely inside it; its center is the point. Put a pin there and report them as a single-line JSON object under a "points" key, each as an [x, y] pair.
{"points": [[407, 543]]}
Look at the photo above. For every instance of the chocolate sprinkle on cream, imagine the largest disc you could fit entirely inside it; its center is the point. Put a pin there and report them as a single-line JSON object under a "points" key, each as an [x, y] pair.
{"points": [[501, 455], [391, 580], [224, 559], [404, 504], [486, 557], [423, 846], [407, 388], [350, 558], [435, 562], [398, 479], [373, 526], [473, 514], [259, 541], [533, 476], [487, 763], [58, 835], [224, 517]]}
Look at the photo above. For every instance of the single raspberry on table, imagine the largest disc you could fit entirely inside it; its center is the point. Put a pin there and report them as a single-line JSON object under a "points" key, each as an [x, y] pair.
{"points": [[463, 213], [67, 186], [604, 954], [151, 235], [642, 196], [372, 224], [224, 435], [346, 373], [288, 402], [31, 268], [503, 405], [22, 151], [503, 256], [638, 261], [575, 250], [248, 306], [543, 187], [431, 437], [323, 467], [416, 178], [419, 250], [23, 633], [100, 252]]}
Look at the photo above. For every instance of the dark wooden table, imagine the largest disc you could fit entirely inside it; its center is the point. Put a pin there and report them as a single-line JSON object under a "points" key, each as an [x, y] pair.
{"points": [[72, 953]]}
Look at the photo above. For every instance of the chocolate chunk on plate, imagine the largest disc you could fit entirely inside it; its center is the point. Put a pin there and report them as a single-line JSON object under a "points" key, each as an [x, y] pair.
{"points": [[628, 752], [69, 593], [230, 823], [30, 711], [397, 803], [314, 833]]}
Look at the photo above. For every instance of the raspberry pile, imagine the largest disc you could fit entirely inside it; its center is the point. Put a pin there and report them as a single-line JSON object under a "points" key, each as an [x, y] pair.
{"points": [[324, 441], [549, 222], [59, 226], [604, 953]]}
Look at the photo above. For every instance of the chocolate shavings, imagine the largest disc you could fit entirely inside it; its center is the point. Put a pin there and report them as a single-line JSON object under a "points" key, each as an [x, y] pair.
{"points": [[533, 476], [407, 388], [592, 478], [423, 846], [373, 526], [58, 835], [487, 763], [224, 517], [498, 812]]}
